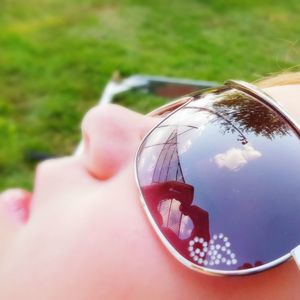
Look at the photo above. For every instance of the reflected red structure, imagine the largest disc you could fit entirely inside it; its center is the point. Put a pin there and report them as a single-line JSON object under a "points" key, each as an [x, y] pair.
{"points": [[170, 203], [249, 266], [170, 198]]}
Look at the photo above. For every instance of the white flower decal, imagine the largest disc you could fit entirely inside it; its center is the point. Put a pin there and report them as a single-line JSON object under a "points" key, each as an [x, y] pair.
{"points": [[215, 252]]}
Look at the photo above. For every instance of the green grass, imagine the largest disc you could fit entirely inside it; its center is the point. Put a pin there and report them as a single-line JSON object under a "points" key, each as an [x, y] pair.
{"points": [[56, 56]]}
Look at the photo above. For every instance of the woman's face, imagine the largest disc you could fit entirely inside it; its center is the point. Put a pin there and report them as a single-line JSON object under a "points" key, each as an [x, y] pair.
{"points": [[82, 234]]}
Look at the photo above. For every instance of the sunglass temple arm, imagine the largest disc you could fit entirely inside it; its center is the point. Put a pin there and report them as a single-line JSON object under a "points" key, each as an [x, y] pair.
{"points": [[296, 255]]}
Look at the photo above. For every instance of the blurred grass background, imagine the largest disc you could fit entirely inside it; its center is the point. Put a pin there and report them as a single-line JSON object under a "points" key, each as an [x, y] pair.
{"points": [[56, 56]]}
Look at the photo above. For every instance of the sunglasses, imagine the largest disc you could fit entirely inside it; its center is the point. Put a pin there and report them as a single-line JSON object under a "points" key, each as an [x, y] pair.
{"points": [[219, 179]]}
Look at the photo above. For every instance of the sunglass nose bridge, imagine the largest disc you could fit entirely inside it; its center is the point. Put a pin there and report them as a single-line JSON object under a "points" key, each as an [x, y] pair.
{"points": [[296, 255]]}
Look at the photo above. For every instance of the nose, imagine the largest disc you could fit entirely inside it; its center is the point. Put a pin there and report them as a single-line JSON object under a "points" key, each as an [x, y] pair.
{"points": [[111, 135]]}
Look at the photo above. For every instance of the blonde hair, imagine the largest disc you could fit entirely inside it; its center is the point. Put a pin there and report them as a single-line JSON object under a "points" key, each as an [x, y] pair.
{"points": [[284, 78]]}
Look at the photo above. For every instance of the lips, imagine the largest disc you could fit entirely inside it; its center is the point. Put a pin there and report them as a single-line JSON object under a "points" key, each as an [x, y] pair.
{"points": [[16, 203]]}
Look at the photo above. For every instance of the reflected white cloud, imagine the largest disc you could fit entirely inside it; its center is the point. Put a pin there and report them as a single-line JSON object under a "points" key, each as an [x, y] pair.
{"points": [[186, 227], [194, 117], [192, 124], [185, 146], [235, 158]]}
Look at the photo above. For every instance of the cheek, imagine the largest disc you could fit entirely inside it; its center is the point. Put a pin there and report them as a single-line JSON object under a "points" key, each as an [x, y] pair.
{"points": [[98, 247], [123, 245]]}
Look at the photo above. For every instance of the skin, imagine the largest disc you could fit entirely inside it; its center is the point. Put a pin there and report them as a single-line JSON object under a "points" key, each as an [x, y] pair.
{"points": [[82, 233]]}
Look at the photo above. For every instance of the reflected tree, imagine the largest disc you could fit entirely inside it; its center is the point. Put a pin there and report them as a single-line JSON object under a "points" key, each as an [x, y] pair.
{"points": [[249, 116]]}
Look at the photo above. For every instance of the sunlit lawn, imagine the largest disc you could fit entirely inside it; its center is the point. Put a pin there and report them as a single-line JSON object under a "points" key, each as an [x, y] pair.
{"points": [[56, 56]]}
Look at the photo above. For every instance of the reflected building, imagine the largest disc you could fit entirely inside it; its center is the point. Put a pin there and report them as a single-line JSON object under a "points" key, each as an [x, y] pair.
{"points": [[170, 199]]}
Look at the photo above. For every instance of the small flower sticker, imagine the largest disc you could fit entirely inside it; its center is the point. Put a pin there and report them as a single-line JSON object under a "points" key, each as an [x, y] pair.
{"points": [[213, 253]]}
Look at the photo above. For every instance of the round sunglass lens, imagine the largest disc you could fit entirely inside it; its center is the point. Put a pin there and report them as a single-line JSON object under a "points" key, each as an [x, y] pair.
{"points": [[220, 178]]}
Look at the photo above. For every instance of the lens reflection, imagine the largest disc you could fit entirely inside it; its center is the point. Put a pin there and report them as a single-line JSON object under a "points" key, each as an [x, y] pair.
{"points": [[220, 178]]}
